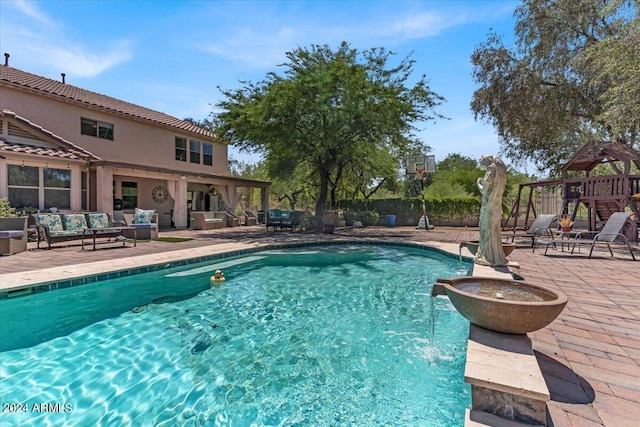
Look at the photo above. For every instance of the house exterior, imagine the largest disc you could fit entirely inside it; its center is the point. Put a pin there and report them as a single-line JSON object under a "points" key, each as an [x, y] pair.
{"points": [[68, 148]]}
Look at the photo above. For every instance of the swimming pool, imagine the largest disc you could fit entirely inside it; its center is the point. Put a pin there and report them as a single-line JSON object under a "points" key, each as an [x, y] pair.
{"points": [[333, 335]]}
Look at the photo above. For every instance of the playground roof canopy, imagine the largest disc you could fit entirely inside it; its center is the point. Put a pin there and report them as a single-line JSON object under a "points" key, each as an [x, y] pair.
{"points": [[596, 152]]}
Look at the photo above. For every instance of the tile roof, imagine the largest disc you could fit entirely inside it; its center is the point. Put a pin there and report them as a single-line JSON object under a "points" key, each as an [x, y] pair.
{"points": [[65, 150], [18, 78]]}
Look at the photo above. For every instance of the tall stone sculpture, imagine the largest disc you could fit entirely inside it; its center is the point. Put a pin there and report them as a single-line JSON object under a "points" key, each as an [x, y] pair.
{"points": [[491, 186]]}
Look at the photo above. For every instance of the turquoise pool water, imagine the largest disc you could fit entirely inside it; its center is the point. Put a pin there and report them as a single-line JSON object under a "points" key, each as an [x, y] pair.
{"points": [[317, 336]]}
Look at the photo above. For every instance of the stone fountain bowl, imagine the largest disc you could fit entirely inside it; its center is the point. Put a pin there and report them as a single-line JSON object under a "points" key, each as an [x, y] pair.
{"points": [[502, 305], [473, 245]]}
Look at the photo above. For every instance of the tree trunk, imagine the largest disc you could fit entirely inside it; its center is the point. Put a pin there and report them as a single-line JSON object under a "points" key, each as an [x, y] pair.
{"points": [[322, 198]]}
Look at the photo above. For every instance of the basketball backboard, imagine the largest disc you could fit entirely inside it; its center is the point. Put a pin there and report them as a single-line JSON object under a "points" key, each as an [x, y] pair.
{"points": [[424, 163]]}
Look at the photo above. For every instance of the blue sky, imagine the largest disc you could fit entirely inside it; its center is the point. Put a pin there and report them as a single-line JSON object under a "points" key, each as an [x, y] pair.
{"points": [[171, 56]]}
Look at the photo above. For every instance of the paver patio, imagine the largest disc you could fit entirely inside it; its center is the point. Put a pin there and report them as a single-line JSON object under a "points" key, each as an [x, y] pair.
{"points": [[590, 355]]}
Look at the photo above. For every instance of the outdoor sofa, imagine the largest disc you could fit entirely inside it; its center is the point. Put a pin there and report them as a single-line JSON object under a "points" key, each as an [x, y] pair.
{"points": [[279, 219], [13, 235], [66, 227], [206, 220]]}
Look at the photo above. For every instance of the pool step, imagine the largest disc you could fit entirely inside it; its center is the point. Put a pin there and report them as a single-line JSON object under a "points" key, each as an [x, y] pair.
{"points": [[505, 378], [19, 292], [483, 419]]}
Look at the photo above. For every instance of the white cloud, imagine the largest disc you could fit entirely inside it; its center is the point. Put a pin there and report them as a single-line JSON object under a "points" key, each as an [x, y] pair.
{"points": [[77, 61], [260, 39], [30, 10], [253, 47], [42, 44], [427, 24]]}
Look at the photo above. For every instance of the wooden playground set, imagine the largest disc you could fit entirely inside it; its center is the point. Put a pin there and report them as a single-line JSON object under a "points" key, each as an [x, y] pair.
{"points": [[599, 195]]}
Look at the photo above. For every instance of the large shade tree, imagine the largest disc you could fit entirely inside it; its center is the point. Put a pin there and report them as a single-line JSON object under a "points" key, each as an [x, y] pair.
{"points": [[573, 76], [330, 113]]}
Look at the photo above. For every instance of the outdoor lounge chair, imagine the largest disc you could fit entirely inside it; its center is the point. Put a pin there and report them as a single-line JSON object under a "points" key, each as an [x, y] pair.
{"points": [[272, 218], [540, 227], [146, 225], [610, 234], [233, 220], [250, 218], [290, 220], [13, 235]]}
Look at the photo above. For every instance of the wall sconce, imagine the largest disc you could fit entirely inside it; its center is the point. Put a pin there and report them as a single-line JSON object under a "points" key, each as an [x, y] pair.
{"points": [[183, 177]]}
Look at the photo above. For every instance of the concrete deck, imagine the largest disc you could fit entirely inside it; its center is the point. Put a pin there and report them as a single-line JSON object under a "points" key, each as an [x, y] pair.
{"points": [[589, 356]]}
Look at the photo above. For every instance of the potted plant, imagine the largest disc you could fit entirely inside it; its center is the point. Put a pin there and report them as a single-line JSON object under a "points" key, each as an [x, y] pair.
{"points": [[330, 220], [565, 223]]}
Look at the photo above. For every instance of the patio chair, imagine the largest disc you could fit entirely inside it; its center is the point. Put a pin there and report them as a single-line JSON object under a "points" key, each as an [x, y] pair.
{"points": [[540, 227], [145, 223], [290, 220], [272, 219], [610, 234], [250, 218], [233, 220], [13, 235]]}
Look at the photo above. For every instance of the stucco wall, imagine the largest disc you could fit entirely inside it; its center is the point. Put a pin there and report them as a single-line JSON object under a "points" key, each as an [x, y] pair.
{"points": [[134, 142]]}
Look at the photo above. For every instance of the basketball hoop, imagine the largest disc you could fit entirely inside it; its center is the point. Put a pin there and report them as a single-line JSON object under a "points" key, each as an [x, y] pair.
{"points": [[419, 167]]}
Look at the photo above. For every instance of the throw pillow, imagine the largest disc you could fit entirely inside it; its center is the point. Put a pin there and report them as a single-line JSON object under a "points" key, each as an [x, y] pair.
{"points": [[143, 216]]}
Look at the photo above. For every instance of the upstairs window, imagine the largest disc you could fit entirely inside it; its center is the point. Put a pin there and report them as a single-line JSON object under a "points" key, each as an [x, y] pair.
{"points": [[207, 154], [181, 149], [102, 130], [194, 151]]}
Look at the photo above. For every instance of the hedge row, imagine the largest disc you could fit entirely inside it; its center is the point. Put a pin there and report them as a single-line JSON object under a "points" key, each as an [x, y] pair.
{"points": [[450, 211]]}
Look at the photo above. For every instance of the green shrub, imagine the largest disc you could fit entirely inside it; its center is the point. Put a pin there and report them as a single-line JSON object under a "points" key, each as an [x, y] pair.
{"points": [[369, 218], [349, 217], [6, 211], [305, 220], [27, 210]]}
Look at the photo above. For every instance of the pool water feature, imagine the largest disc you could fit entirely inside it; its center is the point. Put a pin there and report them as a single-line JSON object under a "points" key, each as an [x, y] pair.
{"points": [[315, 336]]}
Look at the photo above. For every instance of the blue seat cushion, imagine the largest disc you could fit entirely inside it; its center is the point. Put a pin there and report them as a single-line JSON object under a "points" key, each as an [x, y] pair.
{"points": [[145, 226], [11, 234]]}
